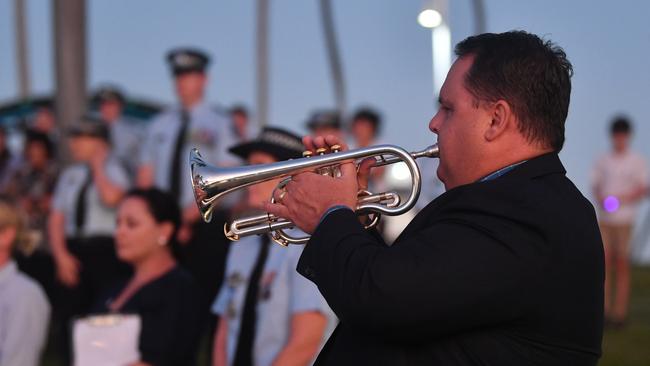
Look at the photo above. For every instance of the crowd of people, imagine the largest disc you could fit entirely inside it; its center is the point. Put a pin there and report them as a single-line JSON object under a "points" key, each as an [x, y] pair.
{"points": [[116, 231]]}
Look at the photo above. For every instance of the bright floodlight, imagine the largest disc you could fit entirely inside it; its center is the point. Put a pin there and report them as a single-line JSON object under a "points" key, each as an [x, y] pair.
{"points": [[429, 18]]}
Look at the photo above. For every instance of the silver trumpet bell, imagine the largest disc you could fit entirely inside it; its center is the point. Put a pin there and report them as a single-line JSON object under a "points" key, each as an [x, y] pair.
{"points": [[211, 183]]}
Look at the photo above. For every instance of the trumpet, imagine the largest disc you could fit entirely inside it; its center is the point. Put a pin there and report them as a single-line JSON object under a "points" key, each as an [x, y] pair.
{"points": [[210, 184]]}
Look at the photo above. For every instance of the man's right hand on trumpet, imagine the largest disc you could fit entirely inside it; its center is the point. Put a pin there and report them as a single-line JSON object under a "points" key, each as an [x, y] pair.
{"points": [[309, 195]]}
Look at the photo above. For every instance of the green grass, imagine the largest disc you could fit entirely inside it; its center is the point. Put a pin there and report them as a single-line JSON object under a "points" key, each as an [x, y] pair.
{"points": [[629, 346]]}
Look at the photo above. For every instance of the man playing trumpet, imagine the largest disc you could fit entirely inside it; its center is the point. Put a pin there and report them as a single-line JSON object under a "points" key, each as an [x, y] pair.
{"points": [[505, 268]]}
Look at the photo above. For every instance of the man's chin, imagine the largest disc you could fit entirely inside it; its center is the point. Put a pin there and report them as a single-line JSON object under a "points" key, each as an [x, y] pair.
{"points": [[441, 174], [442, 177]]}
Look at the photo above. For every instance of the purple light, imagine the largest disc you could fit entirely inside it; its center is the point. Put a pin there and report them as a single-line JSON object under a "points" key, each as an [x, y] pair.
{"points": [[611, 204]]}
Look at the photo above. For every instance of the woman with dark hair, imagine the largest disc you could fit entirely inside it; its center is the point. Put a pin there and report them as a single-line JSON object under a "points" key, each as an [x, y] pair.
{"points": [[160, 292]]}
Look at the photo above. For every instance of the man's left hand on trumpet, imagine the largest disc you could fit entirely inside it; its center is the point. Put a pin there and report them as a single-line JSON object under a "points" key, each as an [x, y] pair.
{"points": [[308, 196]]}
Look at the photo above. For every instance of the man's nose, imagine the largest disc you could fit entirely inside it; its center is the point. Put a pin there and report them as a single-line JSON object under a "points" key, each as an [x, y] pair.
{"points": [[433, 124]]}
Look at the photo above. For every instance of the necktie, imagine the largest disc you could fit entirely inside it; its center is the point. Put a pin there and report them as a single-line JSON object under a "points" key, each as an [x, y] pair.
{"points": [[244, 351], [81, 204], [176, 168]]}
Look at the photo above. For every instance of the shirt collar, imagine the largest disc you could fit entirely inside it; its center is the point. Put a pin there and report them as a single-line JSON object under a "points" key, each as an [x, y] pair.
{"points": [[500, 172], [196, 107], [8, 271]]}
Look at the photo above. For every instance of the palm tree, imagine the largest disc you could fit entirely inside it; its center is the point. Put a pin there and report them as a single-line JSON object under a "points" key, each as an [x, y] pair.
{"points": [[262, 59]]}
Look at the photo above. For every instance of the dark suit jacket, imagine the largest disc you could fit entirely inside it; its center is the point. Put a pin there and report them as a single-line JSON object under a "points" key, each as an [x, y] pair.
{"points": [[504, 272]]}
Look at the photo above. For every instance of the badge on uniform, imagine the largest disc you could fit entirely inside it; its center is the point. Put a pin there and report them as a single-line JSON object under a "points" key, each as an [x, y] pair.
{"points": [[231, 311], [233, 281], [265, 285]]}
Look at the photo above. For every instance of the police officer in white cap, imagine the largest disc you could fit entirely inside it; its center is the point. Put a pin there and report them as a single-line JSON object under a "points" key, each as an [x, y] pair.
{"points": [[82, 221], [165, 164], [125, 135]]}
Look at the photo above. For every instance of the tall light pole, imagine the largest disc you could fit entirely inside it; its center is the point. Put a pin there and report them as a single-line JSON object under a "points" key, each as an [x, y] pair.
{"points": [[434, 16], [262, 62], [336, 68], [22, 58], [479, 16]]}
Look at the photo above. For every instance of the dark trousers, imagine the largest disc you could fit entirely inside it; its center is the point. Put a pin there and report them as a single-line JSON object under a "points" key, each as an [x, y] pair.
{"points": [[100, 271], [39, 265], [205, 257]]}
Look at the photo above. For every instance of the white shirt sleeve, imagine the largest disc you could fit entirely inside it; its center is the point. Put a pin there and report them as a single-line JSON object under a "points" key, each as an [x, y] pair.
{"points": [[304, 294], [148, 149], [643, 173], [222, 300], [58, 197], [117, 173], [27, 325]]}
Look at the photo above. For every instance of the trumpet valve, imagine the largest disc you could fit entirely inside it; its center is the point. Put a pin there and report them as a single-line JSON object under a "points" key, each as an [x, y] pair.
{"points": [[229, 234], [307, 154], [335, 148]]}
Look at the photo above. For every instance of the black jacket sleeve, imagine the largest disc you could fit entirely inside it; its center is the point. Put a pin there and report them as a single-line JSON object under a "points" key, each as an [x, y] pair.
{"points": [[447, 277]]}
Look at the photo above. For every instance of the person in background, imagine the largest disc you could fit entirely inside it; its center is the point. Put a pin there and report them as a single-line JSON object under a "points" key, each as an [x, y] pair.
{"points": [[164, 164], [44, 119], [620, 182], [125, 136], [365, 127], [24, 309], [82, 221], [240, 119], [33, 182], [9, 163], [162, 293], [325, 122], [270, 315], [32, 186]]}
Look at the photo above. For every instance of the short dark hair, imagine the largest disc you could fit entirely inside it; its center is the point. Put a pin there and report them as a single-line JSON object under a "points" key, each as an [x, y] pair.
{"points": [[531, 74], [621, 124], [163, 207], [36, 137], [239, 109], [370, 115]]}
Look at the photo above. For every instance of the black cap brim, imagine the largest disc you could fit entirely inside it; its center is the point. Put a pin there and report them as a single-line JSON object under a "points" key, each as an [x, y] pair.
{"points": [[244, 150], [186, 70]]}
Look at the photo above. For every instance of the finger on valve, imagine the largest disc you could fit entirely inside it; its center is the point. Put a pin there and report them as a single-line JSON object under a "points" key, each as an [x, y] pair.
{"points": [[333, 141]]}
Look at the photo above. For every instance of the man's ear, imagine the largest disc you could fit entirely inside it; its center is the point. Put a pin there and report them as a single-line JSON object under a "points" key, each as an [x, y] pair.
{"points": [[502, 118]]}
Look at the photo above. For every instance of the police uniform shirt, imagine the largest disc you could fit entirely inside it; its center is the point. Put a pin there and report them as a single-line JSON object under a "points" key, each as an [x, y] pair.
{"points": [[282, 293], [126, 138], [208, 131], [100, 219]]}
